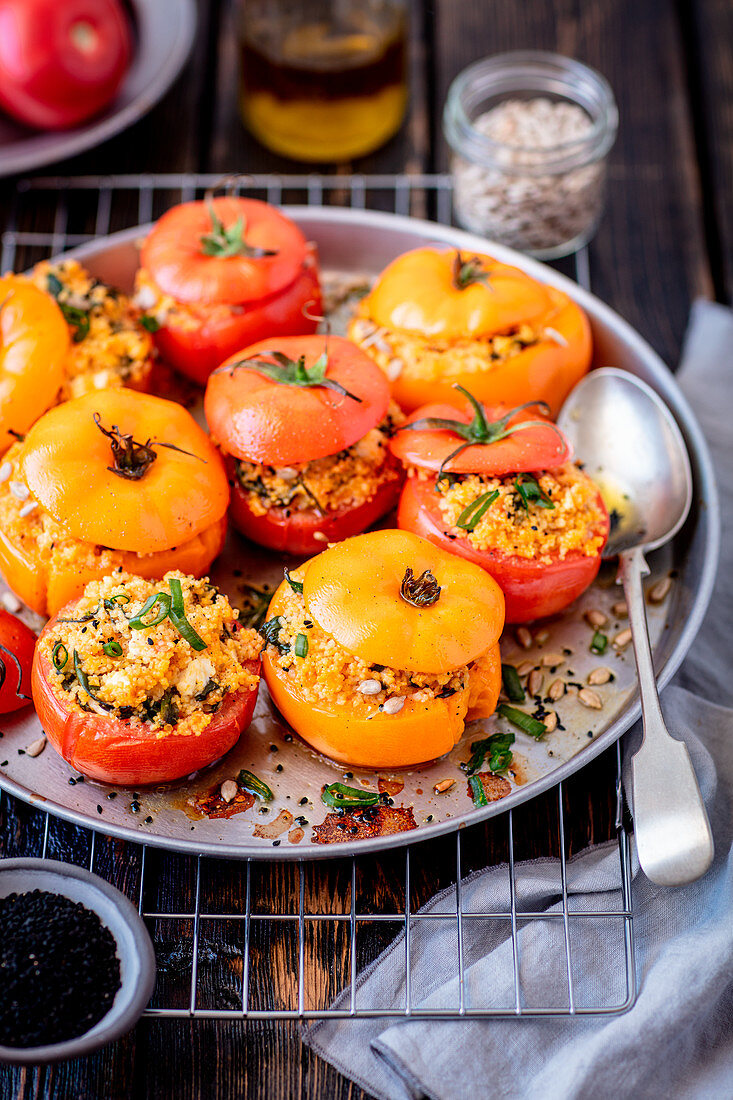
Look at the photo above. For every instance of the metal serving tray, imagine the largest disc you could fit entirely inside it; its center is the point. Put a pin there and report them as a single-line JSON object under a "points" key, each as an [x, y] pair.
{"points": [[358, 243]]}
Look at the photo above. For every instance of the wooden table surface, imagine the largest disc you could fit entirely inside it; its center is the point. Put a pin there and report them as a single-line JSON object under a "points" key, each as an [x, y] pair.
{"points": [[667, 237]]}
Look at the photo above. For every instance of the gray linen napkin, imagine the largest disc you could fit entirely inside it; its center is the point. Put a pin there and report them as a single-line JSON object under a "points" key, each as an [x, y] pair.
{"points": [[677, 1040]]}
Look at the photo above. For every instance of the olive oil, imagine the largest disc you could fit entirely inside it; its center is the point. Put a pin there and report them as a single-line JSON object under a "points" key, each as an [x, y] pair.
{"points": [[324, 92]]}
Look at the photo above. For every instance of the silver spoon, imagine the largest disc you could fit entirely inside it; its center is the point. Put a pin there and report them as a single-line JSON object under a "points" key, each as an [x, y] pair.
{"points": [[630, 444]]}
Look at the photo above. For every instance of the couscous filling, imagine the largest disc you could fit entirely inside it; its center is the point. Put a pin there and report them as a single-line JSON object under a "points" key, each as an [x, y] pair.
{"points": [[109, 345], [416, 356], [344, 480], [322, 671], [543, 516], [119, 655]]}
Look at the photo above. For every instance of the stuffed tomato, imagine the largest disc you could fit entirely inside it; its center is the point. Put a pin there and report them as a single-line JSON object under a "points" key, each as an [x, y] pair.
{"points": [[500, 489], [137, 682], [380, 649], [436, 318], [305, 428], [220, 274], [115, 479]]}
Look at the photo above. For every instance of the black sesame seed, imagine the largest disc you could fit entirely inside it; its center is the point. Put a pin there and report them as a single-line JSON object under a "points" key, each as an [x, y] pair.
{"points": [[276, 843], [303, 802], [99, 809], [111, 795], [278, 767], [273, 748], [348, 775], [135, 807], [148, 821], [287, 737]]}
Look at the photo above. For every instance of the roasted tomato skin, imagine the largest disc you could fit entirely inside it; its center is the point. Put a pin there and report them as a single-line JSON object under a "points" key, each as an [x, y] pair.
{"points": [[533, 589], [17, 646], [422, 731], [307, 532], [117, 752]]}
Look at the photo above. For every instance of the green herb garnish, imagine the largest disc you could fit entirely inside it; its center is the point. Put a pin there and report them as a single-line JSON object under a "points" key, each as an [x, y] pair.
{"points": [[59, 656], [120, 598], [149, 322], [112, 648], [471, 515], [598, 643], [178, 618], [522, 720], [169, 713], [477, 791], [138, 621], [77, 318], [480, 430], [297, 586], [301, 646], [530, 491], [341, 797], [498, 747], [512, 684], [270, 631], [249, 782], [255, 605]]}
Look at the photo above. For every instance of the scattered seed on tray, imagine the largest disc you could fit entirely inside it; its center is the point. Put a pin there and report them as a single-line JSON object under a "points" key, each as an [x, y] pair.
{"points": [[59, 966]]}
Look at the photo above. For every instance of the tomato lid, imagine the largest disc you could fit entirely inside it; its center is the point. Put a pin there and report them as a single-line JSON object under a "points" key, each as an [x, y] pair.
{"points": [[88, 463], [293, 399], [226, 250], [481, 440], [393, 598], [446, 294]]}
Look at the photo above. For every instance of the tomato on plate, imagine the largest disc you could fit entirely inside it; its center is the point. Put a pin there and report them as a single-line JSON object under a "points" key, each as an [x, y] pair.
{"points": [[61, 61], [221, 274], [131, 755], [17, 645], [293, 411], [536, 582], [358, 594], [450, 318]]}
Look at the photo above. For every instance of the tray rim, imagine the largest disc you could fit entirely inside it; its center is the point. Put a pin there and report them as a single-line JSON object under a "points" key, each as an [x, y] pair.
{"points": [[708, 508]]}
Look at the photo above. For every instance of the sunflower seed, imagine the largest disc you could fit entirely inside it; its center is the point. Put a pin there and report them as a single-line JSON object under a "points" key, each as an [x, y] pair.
{"points": [[394, 705], [549, 660], [525, 667], [595, 618], [20, 490], [556, 690], [36, 747], [550, 721], [535, 682], [542, 636], [619, 609], [590, 699], [394, 368], [599, 675], [524, 637], [443, 786], [622, 638], [658, 592], [11, 602], [28, 507], [320, 537], [5, 471], [369, 687], [228, 790]]}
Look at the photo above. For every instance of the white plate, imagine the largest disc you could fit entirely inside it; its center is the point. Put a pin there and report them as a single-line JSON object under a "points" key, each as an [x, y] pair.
{"points": [[164, 31]]}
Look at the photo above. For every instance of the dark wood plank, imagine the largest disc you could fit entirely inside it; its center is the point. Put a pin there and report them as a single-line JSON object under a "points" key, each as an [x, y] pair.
{"points": [[649, 259], [708, 27]]}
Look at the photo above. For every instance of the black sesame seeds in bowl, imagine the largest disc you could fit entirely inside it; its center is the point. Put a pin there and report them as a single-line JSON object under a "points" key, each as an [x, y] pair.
{"points": [[77, 966]]}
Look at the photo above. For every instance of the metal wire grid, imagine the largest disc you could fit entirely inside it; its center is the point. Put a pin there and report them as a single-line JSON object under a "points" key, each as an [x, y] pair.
{"points": [[235, 979]]}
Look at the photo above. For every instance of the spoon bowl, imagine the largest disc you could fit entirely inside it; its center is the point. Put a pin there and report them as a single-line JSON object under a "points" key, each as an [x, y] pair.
{"points": [[631, 446]]}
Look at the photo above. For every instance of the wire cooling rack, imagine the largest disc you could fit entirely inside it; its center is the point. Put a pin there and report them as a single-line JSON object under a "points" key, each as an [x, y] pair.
{"points": [[260, 941]]}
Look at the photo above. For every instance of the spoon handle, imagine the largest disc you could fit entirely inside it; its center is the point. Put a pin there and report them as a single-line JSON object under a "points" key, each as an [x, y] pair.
{"points": [[671, 827]]}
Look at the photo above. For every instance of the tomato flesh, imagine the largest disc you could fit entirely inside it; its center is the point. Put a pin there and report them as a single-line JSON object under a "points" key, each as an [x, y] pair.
{"points": [[115, 751], [305, 531], [533, 589], [17, 645]]}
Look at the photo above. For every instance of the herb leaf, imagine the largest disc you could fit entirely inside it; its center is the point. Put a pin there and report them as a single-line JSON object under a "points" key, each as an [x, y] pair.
{"points": [[341, 797], [522, 720], [471, 515], [530, 491], [149, 322], [498, 747], [512, 684], [270, 631], [178, 618], [297, 586]]}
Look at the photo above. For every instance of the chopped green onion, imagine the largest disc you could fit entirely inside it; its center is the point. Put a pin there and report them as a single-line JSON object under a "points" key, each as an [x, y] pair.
{"points": [[522, 720], [477, 791], [342, 797], [120, 598], [84, 619], [498, 746], [178, 618], [512, 684], [530, 490], [82, 677], [297, 586], [54, 285], [138, 621], [471, 515], [112, 649], [301, 646], [149, 322], [249, 782], [59, 656], [598, 643]]}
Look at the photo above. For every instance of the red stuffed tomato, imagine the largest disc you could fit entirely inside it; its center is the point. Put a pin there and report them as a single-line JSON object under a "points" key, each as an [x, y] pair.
{"points": [[17, 643], [305, 427], [501, 491], [61, 61], [221, 274], [124, 633]]}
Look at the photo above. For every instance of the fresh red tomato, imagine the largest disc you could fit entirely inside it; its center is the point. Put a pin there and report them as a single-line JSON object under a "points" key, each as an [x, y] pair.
{"points": [[132, 755], [237, 270], [532, 589], [308, 532], [61, 61], [539, 446], [260, 418], [17, 645]]}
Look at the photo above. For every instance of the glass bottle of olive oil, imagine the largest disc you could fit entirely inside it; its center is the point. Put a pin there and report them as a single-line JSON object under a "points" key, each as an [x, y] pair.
{"points": [[323, 80]]}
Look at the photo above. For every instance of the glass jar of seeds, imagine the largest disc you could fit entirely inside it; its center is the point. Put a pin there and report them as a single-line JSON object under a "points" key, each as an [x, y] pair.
{"points": [[530, 133]]}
